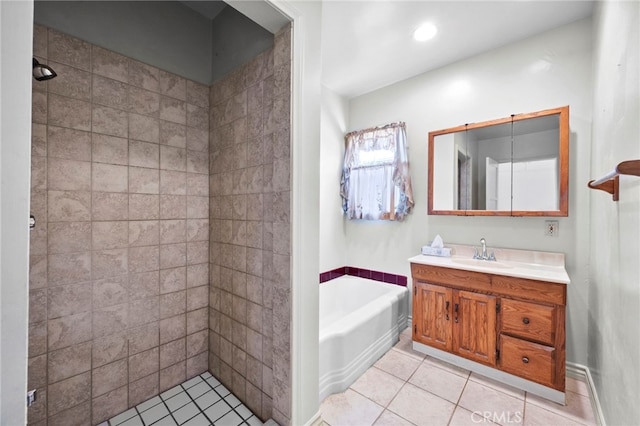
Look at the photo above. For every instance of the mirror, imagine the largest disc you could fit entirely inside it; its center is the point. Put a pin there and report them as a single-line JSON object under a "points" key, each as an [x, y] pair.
{"points": [[513, 166]]}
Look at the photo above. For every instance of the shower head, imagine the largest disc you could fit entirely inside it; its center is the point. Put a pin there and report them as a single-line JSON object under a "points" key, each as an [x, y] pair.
{"points": [[42, 72]]}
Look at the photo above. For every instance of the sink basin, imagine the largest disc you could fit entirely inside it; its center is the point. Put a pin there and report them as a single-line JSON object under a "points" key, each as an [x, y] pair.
{"points": [[482, 263]]}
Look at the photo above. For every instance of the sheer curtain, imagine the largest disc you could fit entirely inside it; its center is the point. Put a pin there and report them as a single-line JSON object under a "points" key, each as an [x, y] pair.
{"points": [[375, 180]]}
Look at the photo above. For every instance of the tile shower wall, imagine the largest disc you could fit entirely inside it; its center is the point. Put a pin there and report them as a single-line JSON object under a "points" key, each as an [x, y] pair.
{"points": [[250, 299], [119, 257]]}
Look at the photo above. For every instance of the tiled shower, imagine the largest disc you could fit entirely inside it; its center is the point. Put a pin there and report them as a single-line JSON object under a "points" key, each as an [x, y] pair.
{"points": [[161, 246]]}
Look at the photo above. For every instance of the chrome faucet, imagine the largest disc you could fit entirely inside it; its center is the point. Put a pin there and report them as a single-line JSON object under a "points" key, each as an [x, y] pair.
{"points": [[484, 255]]}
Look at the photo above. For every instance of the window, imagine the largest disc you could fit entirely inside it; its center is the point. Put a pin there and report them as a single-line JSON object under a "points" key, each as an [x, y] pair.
{"points": [[375, 176]]}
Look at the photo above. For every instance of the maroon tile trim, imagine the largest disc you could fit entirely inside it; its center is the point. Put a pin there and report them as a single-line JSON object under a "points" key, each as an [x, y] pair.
{"points": [[364, 273]]}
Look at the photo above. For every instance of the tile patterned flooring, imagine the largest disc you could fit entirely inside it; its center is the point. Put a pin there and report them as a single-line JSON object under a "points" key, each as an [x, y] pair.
{"points": [[200, 401], [406, 387]]}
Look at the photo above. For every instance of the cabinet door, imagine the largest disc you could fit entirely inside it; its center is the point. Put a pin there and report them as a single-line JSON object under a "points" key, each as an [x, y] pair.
{"points": [[432, 315], [474, 328]]}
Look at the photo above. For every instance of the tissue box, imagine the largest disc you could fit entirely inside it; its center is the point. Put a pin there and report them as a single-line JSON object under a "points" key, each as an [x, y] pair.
{"points": [[436, 251]]}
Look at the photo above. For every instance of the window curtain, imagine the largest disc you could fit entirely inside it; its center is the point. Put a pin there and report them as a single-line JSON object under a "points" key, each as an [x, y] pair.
{"points": [[375, 180]]}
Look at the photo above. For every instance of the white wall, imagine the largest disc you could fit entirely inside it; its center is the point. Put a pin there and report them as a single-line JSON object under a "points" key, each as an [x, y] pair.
{"points": [[614, 296], [16, 32], [333, 127], [549, 70]]}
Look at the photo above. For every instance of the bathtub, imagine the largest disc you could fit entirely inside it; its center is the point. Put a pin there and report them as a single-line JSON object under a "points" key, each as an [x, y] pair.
{"points": [[360, 320]]}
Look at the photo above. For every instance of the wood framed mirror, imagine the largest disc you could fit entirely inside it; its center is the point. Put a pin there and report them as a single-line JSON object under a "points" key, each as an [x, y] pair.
{"points": [[512, 166]]}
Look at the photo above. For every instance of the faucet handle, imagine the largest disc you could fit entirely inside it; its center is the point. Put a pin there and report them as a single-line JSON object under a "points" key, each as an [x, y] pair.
{"points": [[492, 257], [475, 253]]}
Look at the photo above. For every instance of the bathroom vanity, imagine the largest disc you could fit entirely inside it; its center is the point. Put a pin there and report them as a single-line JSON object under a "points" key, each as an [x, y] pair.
{"points": [[504, 319]]}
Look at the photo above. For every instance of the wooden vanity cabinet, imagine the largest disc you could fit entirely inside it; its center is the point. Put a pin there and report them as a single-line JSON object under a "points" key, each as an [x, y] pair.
{"points": [[515, 325]]}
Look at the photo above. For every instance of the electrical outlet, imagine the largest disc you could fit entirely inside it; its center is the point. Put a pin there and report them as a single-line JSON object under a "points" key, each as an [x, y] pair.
{"points": [[551, 228]]}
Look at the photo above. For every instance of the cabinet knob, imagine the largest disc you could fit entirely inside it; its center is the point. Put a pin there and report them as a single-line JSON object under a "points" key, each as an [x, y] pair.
{"points": [[525, 360], [525, 320]]}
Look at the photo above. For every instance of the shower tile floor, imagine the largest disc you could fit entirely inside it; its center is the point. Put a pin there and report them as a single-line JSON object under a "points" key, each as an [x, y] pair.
{"points": [[200, 401], [406, 387]]}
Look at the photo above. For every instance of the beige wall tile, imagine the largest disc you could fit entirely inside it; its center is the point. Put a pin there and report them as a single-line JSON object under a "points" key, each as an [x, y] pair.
{"points": [[143, 259], [38, 139], [109, 206], [144, 337], [69, 268], [173, 85], [143, 364], [197, 117], [110, 149], [174, 279], [197, 252], [37, 372], [197, 364], [173, 110], [172, 304], [197, 184], [197, 139], [173, 134], [172, 158], [144, 128], [142, 154], [69, 50], [110, 64], [173, 183], [37, 271], [172, 352], [68, 143], [108, 349], [109, 320], [197, 94], [68, 237], [69, 299], [37, 338], [39, 173], [144, 181], [197, 275], [69, 175], [173, 255], [109, 235], [69, 330], [110, 121], [37, 413], [143, 285], [197, 320], [40, 41], [39, 107], [144, 102], [68, 112], [197, 207], [172, 328], [109, 405], [143, 389], [78, 415], [197, 297], [109, 377], [173, 231], [173, 206], [197, 343], [37, 305], [144, 233], [144, 207], [144, 76], [109, 263], [110, 92], [172, 376], [144, 311], [109, 178], [197, 229], [197, 162]]}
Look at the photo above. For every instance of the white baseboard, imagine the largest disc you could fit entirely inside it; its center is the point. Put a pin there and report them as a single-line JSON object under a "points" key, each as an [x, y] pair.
{"points": [[316, 420], [581, 372]]}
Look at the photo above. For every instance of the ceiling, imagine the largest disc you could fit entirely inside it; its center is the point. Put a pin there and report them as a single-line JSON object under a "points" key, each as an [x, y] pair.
{"points": [[209, 9], [367, 45]]}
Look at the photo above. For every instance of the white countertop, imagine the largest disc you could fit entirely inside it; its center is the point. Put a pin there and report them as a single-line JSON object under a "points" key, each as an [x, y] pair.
{"points": [[542, 266]]}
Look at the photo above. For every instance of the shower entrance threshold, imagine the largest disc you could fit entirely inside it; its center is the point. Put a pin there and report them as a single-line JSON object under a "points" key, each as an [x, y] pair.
{"points": [[200, 401]]}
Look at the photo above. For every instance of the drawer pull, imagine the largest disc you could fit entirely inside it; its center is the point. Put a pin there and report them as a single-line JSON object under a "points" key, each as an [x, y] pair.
{"points": [[525, 360], [525, 320]]}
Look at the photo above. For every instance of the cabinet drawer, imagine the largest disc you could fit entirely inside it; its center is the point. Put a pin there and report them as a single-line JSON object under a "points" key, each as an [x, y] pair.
{"points": [[529, 320], [529, 360]]}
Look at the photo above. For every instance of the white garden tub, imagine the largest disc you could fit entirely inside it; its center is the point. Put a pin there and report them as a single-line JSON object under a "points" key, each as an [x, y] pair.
{"points": [[360, 319]]}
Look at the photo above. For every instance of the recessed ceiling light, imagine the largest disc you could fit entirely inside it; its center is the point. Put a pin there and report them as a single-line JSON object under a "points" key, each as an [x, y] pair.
{"points": [[425, 32]]}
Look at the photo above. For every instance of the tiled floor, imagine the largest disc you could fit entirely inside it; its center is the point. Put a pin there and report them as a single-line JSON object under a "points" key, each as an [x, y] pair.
{"points": [[200, 401], [406, 388]]}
